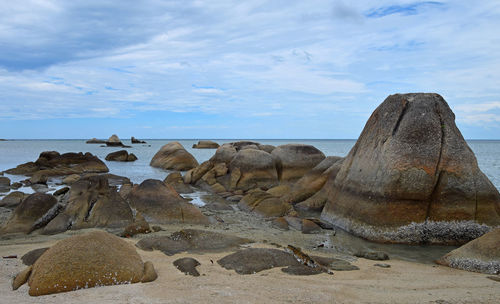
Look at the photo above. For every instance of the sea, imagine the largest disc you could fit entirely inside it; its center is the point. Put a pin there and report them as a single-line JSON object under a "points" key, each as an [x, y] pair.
{"points": [[15, 152]]}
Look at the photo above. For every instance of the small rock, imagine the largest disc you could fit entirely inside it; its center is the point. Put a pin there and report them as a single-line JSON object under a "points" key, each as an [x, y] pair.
{"points": [[187, 266], [383, 265], [372, 255], [309, 227]]}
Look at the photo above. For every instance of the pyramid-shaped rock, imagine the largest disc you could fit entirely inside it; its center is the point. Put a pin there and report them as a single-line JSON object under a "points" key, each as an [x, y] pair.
{"points": [[412, 178]]}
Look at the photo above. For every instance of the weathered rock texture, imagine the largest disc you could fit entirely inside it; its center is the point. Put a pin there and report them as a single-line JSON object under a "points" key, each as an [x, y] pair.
{"points": [[412, 178], [92, 203], [160, 203], [31, 214], [206, 144], [122, 156], [479, 255], [84, 261], [51, 163], [173, 156]]}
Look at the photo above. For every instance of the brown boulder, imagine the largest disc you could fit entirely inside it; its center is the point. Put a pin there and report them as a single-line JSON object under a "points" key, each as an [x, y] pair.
{"points": [[30, 214], [12, 199], [206, 144], [173, 156], [295, 160], [264, 204], [114, 141], [83, 261], [122, 156], [92, 203], [412, 178], [175, 180], [139, 226], [479, 255], [251, 169], [161, 204]]}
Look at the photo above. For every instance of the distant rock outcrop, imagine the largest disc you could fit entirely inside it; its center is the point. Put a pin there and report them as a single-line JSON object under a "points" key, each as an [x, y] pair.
{"points": [[412, 178], [173, 156], [95, 141], [83, 261], [479, 255], [206, 144], [122, 156], [136, 141], [114, 141]]}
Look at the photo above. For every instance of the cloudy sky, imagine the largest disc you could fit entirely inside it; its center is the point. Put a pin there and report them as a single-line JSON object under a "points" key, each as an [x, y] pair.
{"points": [[240, 69]]}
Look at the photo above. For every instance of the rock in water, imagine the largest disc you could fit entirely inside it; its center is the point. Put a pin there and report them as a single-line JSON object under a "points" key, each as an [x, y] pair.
{"points": [[161, 204], [136, 141], [173, 156], [114, 141], [479, 255], [93, 259], [122, 156], [412, 178], [206, 144], [95, 141]]}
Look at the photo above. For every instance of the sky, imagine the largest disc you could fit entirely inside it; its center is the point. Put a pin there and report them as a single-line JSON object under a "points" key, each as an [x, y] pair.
{"points": [[240, 69]]}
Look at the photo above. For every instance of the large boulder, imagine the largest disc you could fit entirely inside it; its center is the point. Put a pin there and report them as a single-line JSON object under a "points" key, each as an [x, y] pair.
{"points": [[32, 213], [252, 168], [92, 203], [206, 144], [4, 184], [313, 180], [161, 204], [51, 163], [114, 141], [83, 261], [12, 199], [122, 156], [173, 156], [479, 255], [295, 160], [412, 178], [175, 180]]}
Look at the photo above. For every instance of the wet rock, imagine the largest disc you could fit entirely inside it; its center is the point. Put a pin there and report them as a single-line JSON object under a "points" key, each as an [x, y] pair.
{"points": [[175, 180], [30, 213], [191, 240], [92, 203], [38, 178], [136, 141], [479, 255], [40, 188], [372, 255], [187, 266], [122, 156], [412, 178], [206, 144], [12, 199], [161, 204], [16, 185], [30, 257], [83, 261], [61, 191], [253, 260], [95, 141], [264, 204], [173, 156]]}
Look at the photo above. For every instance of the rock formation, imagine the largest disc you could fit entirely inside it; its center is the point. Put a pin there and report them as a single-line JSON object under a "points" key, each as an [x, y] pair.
{"points": [[479, 255], [83, 261], [136, 141], [173, 156], [412, 178], [95, 141], [161, 204], [4, 184], [294, 160], [206, 144], [114, 141], [122, 156], [51, 163]]}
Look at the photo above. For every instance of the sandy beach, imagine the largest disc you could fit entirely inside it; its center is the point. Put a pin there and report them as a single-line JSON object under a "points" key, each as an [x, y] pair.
{"points": [[403, 282]]}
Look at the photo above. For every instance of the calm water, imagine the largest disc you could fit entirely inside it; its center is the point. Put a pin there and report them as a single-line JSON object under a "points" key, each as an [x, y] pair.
{"points": [[15, 152]]}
